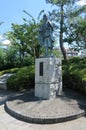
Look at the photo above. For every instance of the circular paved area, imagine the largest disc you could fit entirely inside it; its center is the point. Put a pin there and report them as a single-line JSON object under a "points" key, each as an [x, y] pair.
{"points": [[25, 106]]}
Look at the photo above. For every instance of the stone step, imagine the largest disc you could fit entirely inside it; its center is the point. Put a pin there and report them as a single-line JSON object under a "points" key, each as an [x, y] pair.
{"points": [[3, 80], [3, 85]]}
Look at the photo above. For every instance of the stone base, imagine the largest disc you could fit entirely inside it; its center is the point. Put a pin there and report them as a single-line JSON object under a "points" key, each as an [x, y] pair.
{"points": [[48, 78], [47, 91]]}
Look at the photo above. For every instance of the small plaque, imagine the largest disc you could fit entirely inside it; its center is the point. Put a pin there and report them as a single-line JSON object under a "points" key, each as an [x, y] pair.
{"points": [[41, 69]]}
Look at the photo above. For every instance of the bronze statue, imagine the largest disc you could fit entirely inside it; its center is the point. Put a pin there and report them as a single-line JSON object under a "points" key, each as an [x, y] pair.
{"points": [[46, 35]]}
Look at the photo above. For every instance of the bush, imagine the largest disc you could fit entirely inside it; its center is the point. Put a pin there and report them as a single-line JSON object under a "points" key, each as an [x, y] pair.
{"points": [[74, 74], [13, 70], [23, 79]]}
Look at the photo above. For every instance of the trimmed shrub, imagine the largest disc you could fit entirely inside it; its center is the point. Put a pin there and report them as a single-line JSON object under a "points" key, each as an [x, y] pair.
{"points": [[74, 74], [23, 79], [13, 70]]}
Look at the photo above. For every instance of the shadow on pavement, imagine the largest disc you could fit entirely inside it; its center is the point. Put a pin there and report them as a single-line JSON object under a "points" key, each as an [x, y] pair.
{"points": [[4, 96], [71, 95]]}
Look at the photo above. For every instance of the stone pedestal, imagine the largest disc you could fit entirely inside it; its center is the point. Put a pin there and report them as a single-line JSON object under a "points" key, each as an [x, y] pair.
{"points": [[48, 78]]}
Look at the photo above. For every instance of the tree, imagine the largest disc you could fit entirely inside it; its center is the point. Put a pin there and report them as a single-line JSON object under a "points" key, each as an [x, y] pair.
{"points": [[76, 36], [62, 16], [33, 35], [25, 38], [81, 29], [2, 59], [10, 57]]}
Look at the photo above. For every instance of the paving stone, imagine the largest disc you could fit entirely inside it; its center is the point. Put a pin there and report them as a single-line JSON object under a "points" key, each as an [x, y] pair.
{"points": [[9, 123], [27, 107]]}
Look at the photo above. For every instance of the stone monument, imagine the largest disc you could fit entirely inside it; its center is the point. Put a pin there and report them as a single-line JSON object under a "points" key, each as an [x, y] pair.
{"points": [[48, 73]]}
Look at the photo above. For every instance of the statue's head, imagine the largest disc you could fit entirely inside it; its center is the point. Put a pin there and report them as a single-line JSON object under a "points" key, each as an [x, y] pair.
{"points": [[45, 17]]}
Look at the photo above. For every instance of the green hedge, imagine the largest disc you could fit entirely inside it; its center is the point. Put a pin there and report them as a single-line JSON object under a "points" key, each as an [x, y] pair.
{"points": [[74, 74], [23, 79], [13, 70]]}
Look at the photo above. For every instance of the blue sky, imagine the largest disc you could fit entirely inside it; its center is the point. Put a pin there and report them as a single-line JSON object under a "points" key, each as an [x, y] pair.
{"points": [[11, 11]]}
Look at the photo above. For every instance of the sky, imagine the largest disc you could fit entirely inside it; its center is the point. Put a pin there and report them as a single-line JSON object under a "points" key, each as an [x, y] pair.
{"points": [[11, 11]]}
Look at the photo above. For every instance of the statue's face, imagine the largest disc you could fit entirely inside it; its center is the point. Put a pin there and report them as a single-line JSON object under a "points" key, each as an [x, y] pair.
{"points": [[44, 17]]}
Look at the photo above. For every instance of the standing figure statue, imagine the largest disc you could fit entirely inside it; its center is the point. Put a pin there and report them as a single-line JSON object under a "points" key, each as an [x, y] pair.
{"points": [[46, 35]]}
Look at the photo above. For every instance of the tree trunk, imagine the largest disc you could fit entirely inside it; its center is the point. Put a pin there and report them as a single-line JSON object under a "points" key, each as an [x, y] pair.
{"points": [[61, 33]]}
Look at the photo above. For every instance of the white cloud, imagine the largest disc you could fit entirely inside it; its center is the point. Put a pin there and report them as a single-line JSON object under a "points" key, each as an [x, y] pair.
{"points": [[81, 2], [1, 37], [6, 42]]}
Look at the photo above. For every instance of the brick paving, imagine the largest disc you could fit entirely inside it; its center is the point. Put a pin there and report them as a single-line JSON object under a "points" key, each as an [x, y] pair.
{"points": [[27, 107], [7, 122]]}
